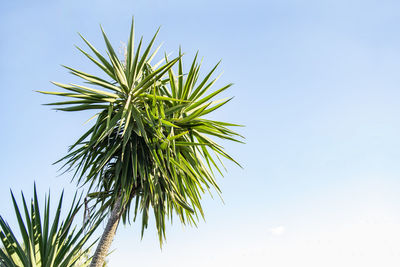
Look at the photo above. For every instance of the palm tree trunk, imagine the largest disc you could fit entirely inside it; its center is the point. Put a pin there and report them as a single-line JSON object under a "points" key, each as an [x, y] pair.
{"points": [[108, 235]]}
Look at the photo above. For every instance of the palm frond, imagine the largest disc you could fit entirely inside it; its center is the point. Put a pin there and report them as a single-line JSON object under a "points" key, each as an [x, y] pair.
{"points": [[44, 241]]}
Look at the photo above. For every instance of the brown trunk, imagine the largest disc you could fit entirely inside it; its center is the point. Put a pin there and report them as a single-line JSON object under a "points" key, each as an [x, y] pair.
{"points": [[108, 236]]}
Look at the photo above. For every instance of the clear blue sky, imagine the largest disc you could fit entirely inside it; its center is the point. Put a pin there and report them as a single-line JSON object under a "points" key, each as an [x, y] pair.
{"points": [[316, 84]]}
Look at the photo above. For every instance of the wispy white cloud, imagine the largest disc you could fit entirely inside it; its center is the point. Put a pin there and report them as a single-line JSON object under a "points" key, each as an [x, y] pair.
{"points": [[277, 231]]}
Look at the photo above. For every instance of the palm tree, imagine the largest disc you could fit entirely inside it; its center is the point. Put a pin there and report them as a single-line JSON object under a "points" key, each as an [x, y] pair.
{"points": [[150, 145], [44, 243]]}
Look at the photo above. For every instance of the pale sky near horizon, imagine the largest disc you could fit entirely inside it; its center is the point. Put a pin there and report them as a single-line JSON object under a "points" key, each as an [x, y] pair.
{"points": [[316, 84]]}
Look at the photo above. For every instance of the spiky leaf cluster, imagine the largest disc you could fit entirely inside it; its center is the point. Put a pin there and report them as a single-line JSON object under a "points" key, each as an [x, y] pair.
{"points": [[150, 144], [45, 242]]}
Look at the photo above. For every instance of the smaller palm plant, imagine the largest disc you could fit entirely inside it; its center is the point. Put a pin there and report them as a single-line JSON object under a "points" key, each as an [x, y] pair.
{"points": [[44, 243]]}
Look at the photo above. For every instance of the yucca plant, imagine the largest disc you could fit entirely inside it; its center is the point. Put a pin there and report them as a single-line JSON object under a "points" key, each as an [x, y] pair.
{"points": [[44, 242], [150, 145]]}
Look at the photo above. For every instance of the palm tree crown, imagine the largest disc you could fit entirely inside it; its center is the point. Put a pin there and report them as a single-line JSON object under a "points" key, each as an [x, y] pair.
{"points": [[150, 145]]}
